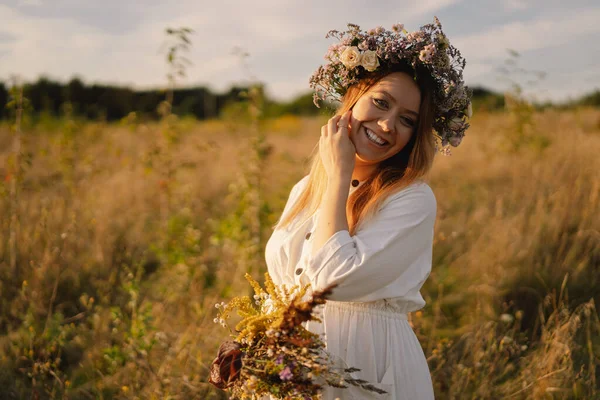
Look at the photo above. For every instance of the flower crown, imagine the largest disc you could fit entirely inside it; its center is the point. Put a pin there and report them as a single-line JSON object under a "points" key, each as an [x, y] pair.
{"points": [[359, 53]]}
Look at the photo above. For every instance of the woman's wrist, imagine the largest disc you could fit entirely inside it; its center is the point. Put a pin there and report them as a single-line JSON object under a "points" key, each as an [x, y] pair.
{"points": [[333, 211], [336, 195], [340, 180]]}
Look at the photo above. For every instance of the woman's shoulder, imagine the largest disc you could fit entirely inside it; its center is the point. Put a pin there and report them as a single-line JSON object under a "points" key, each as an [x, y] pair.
{"points": [[299, 186], [302, 182], [417, 195]]}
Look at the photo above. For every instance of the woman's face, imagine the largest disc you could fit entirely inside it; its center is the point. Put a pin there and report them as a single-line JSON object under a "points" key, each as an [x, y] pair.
{"points": [[384, 118]]}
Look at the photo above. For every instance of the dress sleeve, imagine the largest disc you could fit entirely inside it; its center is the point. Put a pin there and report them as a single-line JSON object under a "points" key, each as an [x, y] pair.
{"points": [[390, 252]]}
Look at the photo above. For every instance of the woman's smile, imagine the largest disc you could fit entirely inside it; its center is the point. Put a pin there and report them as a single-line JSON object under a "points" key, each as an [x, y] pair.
{"points": [[375, 139]]}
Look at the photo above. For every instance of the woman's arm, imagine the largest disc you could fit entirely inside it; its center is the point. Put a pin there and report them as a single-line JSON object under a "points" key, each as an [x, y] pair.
{"points": [[388, 256], [338, 157], [332, 216]]}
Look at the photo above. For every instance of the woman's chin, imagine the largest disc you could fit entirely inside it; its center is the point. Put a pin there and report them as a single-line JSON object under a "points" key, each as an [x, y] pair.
{"points": [[365, 158], [368, 152]]}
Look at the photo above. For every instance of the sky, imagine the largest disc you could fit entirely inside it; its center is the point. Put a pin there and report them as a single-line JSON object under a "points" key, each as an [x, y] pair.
{"points": [[123, 41]]}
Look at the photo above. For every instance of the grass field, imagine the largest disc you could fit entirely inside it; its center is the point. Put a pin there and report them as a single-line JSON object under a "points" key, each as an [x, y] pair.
{"points": [[129, 233]]}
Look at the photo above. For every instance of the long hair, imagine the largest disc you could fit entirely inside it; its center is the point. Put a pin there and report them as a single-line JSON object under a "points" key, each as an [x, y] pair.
{"points": [[391, 175]]}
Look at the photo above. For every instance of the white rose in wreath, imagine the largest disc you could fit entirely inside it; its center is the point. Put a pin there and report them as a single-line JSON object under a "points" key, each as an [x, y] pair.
{"points": [[369, 60], [350, 57]]}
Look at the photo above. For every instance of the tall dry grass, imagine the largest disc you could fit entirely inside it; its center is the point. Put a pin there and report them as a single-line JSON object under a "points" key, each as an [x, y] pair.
{"points": [[114, 296]]}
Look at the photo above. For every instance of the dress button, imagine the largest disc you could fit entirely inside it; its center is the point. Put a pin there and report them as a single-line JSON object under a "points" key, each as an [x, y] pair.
{"points": [[307, 236], [299, 271], [354, 182]]}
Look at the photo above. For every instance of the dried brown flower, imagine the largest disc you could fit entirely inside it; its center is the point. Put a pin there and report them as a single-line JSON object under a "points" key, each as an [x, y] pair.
{"points": [[300, 311], [225, 369]]}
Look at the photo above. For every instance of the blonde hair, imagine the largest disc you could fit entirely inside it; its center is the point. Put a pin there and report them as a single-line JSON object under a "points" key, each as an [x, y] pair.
{"points": [[392, 174]]}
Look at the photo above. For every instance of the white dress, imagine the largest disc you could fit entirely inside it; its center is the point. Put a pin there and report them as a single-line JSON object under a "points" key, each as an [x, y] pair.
{"points": [[379, 272]]}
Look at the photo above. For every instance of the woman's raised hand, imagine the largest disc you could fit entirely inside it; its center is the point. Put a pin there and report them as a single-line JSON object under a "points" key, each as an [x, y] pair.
{"points": [[336, 149]]}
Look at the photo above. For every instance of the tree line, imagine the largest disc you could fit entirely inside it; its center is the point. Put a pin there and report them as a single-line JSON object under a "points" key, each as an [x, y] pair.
{"points": [[111, 103]]}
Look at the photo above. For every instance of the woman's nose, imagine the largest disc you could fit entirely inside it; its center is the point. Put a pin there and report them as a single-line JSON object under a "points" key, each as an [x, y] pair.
{"points": [[387, 124]]}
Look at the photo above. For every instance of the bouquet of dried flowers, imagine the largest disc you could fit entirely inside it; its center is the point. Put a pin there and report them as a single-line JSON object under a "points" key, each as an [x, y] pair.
{"points": [[272, 352]]}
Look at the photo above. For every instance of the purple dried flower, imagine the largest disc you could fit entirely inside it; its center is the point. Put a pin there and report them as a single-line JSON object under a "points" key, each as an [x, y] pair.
{"points": [[279, 359], [286, 374], [455, 141], [372, 42]]}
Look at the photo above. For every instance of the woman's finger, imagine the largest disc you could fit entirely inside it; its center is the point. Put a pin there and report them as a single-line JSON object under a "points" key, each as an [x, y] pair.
{"points": [[344, 121], [324, 131], [332, 125]]}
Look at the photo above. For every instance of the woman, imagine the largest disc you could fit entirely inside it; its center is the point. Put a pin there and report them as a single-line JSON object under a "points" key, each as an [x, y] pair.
{"points": [[363, 218]]}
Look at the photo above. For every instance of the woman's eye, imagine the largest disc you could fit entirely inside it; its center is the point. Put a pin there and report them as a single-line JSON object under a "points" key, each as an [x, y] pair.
{"points": [[407, 121], [380, 103]]}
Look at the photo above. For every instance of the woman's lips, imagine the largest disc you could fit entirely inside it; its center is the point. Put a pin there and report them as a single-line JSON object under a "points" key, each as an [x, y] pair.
{"points": [[374, 138]]}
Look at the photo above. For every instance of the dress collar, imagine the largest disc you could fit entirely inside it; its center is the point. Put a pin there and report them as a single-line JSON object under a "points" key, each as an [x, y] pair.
{"points": [[355, 184]]}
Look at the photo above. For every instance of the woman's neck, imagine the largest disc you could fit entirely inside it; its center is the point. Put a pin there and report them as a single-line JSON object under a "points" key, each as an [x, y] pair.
{"points": [[362, 172]]}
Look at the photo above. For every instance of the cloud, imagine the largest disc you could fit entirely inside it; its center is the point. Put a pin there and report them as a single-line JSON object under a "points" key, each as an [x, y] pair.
{"points": [[118, 41], [109, 16], [63, 47], [530, 35], [6, 37], [30, 2], [518, 5], [42, 45], [286, 40]]}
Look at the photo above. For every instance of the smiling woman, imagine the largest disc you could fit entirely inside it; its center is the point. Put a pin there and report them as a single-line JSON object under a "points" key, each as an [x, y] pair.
{"points": [[363, 218], [374, 150]]}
